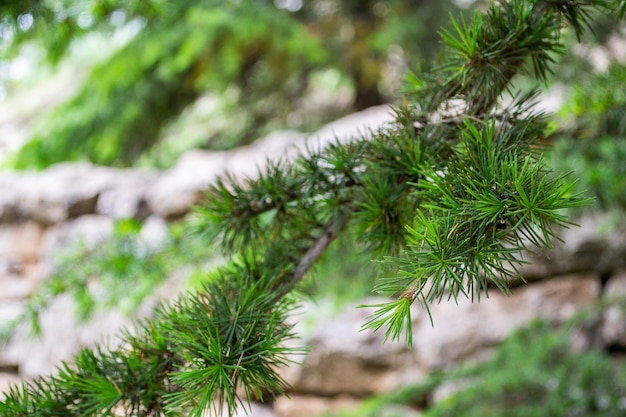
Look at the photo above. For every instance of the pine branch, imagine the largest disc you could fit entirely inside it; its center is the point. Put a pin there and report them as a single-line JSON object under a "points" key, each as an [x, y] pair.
{"points": [[315, 252], [446, 200], [485, 194]]}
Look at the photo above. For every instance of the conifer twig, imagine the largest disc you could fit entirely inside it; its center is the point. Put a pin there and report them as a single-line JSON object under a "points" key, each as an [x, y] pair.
{"points": [[329, 235], [453, 205]]}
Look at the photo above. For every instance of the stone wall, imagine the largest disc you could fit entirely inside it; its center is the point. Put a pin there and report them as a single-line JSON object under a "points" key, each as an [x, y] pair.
{"points": [[42, 212]]}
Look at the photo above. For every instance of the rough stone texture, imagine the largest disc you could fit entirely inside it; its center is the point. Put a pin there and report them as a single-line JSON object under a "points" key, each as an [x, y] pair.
{"points": [[613, 330], [179, 188], [344, 360], [153, 232], [62, 335], [18, 285], [10, 197], [310, 406], [7, 380], [255, 410], [468, 331], [361, 124], [595, 245], [249, 160], [10, 309], [63, 191], [20, 241], [89, 230], [67, 191], [126, 197], [447, 389], [20, 245], [398, 411]]}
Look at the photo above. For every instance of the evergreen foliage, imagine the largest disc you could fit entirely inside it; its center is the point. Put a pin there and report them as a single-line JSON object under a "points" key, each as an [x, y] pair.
{"points": [[446, 198]]}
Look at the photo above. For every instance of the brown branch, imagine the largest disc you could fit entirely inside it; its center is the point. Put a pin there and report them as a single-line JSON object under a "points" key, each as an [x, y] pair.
{"points": [[331, 232]]}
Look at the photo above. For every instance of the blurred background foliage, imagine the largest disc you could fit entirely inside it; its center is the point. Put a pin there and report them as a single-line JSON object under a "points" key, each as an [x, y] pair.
{"points": [[590, 135], [246, 67], [593, 141]]}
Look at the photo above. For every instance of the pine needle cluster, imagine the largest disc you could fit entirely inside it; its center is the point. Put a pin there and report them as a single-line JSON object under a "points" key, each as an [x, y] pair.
{"points": [[445, 199]]}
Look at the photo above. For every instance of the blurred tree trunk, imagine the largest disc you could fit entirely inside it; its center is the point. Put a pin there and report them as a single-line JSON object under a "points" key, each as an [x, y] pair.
{"points": [[364, 66]]}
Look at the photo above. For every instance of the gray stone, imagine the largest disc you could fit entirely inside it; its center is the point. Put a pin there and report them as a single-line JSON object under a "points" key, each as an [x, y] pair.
{"points": [[613, 329], [360, 124], [10, 309], [65, 191], [177, 189], [595, 245], [248, 161], [469, 331], [17, 287], [83, 233], [20, 246], [254, 410], [20, 242], [398, 410], [126, 198], [154, 233], [182, 186], [62, 335], [310, 406], [69, 190], [447, 389], [88, 230], [12, 185], [8, 380], [345, 360]]}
